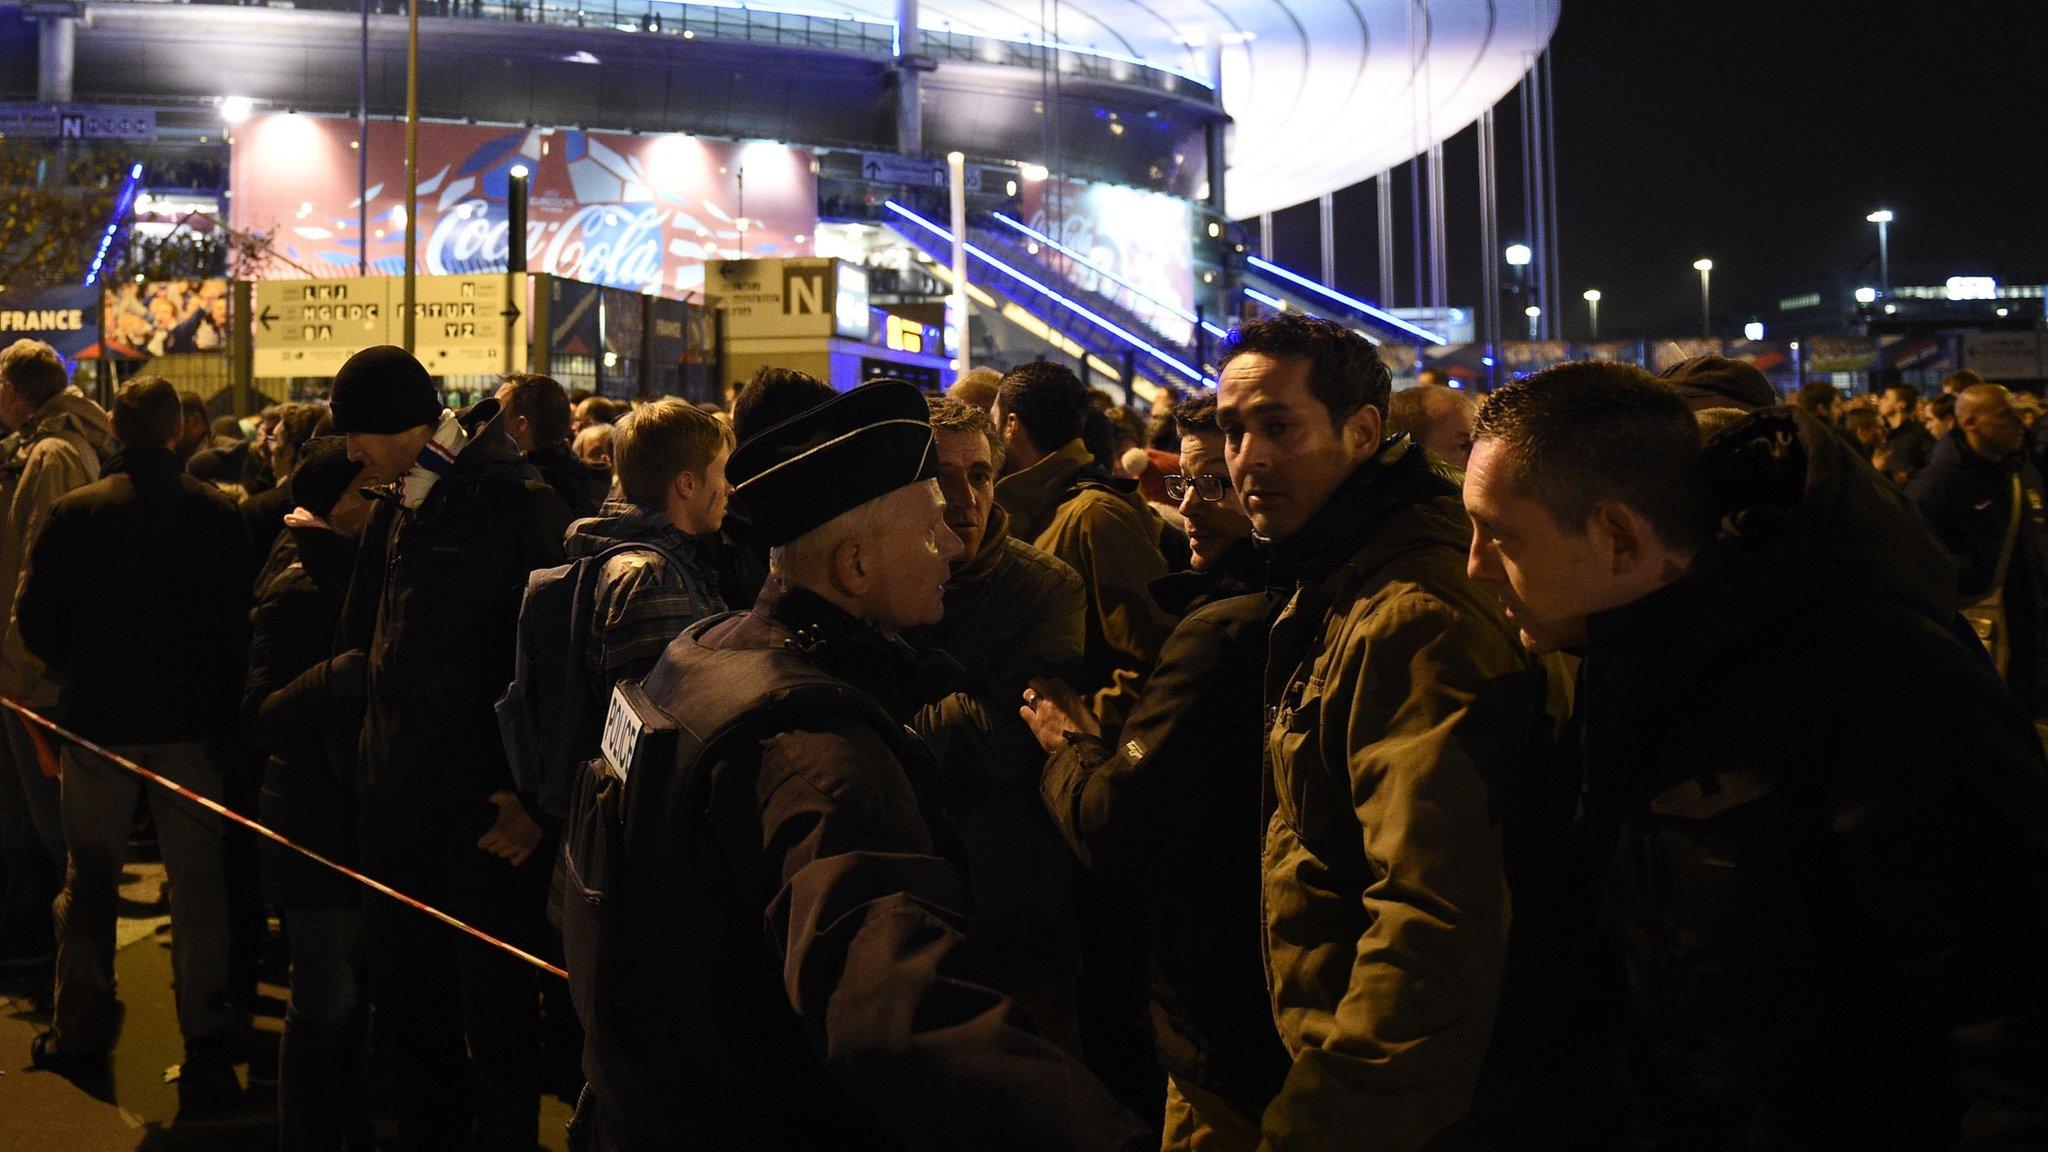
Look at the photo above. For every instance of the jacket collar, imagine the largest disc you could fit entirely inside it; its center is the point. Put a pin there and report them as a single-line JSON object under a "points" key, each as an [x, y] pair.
{"points": [[897, 676], [1397, 476], [1239, 571], [1031, 495], [143, 459], [988, 553]]}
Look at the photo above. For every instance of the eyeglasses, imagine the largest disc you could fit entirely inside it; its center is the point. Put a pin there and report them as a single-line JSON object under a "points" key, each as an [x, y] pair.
{"points": [[1209, 487]]}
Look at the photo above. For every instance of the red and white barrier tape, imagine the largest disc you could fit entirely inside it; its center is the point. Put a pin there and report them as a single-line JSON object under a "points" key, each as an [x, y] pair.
{"points": [[223, 811]]}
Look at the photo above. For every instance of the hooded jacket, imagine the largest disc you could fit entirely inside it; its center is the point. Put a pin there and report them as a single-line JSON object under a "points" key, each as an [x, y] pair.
{"points": [[136, 598], [434, 607], [1830, 827], [1067, 506], [61, 448], [1404, 725]]}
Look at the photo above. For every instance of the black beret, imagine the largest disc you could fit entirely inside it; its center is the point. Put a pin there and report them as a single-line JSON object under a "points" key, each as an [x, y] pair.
{"points": [[1718, 382], [381, 390], [323, 475], [821, 463]]}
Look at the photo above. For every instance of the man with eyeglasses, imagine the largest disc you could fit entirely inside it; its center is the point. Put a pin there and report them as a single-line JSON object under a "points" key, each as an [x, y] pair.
{"points": [[1226, 560], [1172, 811]]}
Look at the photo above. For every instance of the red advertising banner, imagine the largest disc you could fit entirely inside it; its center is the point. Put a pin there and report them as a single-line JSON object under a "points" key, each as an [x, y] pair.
{"points": [[638, 212]]}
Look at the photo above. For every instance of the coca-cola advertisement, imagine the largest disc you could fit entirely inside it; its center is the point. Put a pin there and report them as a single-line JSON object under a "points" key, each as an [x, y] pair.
{"points": [[626, 211]]}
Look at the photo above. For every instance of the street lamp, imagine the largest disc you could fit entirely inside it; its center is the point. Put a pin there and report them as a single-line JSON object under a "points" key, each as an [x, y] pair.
{"points": [[1754, 330], [1883, 219], [236, 109], [1519, 255], [1534, 314], [1593, 310], [1866, 295], [1705, 268]]}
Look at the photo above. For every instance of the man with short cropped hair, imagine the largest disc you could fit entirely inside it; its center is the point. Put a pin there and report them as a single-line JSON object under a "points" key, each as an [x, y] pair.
{"points": [[1403, 722], [537, 419], [58, 440], [1060, 499], [1012, 612], [135, 596], [777, 965], [1225, 558], [1436, 417], [671, 464], [1832, 903], [1906, 443]]}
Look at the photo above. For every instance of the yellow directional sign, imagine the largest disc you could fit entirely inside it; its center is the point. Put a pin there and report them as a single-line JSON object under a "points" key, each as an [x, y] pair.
{"points": [[471, 325]]}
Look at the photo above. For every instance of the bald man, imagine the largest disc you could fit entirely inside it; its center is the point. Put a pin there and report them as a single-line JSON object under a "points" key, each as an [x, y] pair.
{"points": [[1973, 481], [1438, 418]]}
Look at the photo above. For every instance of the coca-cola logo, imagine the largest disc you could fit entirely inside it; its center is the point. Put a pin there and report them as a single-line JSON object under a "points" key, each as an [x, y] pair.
{"points": [[599, 244]]}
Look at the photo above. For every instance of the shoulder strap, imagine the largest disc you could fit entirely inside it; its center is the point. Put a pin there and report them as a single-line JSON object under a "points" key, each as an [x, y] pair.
{"points": [[2012, 535]]}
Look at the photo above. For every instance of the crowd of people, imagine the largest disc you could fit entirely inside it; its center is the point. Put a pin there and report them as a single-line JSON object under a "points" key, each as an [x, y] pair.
{"points": [[1612, 761]]}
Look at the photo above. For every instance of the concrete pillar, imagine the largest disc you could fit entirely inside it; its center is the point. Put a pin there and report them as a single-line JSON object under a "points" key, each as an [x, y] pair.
{"points": [[56, 51], [1217, 160], [909, 80]]}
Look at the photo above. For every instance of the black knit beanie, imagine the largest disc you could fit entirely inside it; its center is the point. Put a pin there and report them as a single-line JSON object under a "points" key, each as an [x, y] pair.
{"points": [[383, 390]]}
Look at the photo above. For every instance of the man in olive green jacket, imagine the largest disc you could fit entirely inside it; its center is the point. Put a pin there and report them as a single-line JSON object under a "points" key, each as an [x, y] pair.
{"points": [[1405, 724], [1060, 500]]}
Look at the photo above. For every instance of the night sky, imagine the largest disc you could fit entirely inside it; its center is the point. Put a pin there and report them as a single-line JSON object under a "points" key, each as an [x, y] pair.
{"points": [[1758, 133]]}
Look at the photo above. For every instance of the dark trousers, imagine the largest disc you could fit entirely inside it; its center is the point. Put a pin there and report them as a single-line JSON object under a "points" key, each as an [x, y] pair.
{"points": [[320, 1104], [31, 832], [457, 1020]]}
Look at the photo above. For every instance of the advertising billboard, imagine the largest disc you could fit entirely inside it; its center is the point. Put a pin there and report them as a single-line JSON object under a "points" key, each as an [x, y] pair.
{"points": [[625, 211], [1145, 239], [162, 317]]}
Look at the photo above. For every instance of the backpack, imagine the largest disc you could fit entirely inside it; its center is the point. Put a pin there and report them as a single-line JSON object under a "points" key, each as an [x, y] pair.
{"points": [[551, 716]]}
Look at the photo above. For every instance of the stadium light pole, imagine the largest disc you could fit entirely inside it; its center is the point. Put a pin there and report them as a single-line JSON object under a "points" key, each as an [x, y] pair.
{"points": [[1883, 219], [1534, 314], [956, 168], [412, 166], [1705, 268], [1593, 312]]}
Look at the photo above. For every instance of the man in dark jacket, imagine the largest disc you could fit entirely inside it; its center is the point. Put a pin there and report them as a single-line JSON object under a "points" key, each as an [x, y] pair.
{"points": [[1402, 721], [134, 597], [1906, 443], [536, 415], [291, 712], [433, 607], [1172, 811], [1059, 499], [1832, 902], [1978, 491], [1012, 612], [774, 964]]}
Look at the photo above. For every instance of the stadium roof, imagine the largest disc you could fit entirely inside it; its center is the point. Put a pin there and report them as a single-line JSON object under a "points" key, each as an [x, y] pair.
{"points": [[1324, 93]]}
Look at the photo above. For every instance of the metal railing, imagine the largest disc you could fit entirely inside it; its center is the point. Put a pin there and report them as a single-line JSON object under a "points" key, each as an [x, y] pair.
{"points": [[759, 25]]}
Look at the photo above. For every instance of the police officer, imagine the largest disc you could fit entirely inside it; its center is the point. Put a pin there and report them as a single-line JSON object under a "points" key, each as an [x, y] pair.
{"points": [[764, 946]]}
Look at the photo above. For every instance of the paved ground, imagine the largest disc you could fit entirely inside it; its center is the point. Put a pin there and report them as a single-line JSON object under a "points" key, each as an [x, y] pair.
{"points": [[134, 1108]]}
